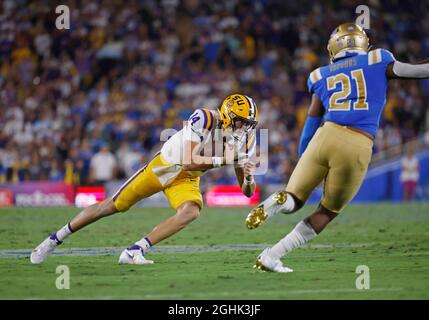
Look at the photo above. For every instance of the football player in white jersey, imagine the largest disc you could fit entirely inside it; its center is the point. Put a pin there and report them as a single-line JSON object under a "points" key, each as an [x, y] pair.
{"points": [[175, 170]]}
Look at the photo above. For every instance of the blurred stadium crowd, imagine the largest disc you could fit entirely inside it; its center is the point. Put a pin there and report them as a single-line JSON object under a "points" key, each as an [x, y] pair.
{"points": [[101, 92]]}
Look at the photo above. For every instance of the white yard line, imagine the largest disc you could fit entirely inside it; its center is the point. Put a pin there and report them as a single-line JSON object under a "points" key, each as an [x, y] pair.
{"points": [[19, 253]]}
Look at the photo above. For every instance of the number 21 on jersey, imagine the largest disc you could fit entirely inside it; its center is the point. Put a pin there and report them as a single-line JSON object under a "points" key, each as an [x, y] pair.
{"points": [[334, 102]]}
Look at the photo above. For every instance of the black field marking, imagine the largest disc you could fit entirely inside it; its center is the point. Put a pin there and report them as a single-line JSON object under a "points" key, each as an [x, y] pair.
{"points": [[19, 253]]}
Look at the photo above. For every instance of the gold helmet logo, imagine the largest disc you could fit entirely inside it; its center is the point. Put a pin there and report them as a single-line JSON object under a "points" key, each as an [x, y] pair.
{"points": [[346, 37], [238, 107]]}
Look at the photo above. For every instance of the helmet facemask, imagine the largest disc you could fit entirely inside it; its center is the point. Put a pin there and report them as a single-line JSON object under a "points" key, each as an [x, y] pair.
{"points": [[241, 127]]}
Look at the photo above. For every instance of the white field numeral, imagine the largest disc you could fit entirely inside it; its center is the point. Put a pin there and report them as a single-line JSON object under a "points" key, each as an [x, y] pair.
{"points": [[63, 280], [363, 280]]}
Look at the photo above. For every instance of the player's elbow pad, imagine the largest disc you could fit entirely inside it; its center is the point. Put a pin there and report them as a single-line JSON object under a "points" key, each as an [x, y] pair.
{"points": [[310, 127], [407, 70]]}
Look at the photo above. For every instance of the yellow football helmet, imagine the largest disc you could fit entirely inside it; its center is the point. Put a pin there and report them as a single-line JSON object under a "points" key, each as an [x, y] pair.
{"points": [[347, 36], [238, 107]]}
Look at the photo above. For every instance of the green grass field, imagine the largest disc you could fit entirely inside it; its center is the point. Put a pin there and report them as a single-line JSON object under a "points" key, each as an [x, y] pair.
{"points": [[391, 239]]}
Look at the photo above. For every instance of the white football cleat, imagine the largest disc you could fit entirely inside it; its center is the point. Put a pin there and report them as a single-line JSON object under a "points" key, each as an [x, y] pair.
{"points": [[266, 263], [133, 257], [44, 250], [266, 209]]}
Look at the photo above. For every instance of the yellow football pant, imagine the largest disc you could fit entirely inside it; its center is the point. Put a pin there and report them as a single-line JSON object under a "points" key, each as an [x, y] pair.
{"points": [[145, 183], [340, 157]]}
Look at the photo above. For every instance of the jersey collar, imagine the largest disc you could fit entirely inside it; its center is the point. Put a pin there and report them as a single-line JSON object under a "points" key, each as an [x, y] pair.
{"points": [[348, 54]]}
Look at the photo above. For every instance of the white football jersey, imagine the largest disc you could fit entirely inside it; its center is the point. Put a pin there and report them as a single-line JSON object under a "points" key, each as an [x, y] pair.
{"points": [[198, 128], [201, 128]]}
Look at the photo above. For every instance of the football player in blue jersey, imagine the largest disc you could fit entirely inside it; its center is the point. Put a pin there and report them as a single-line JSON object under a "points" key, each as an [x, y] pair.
{"points": [[348, 97]]}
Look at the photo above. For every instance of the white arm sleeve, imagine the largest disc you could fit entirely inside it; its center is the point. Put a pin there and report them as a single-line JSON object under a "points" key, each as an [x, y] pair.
{"points": [[407, 70]]}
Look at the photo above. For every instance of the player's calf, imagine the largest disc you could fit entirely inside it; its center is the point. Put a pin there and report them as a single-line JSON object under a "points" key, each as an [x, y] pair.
{"points": [[93, 213], [187, 213], [320, 218], [278, 202]]}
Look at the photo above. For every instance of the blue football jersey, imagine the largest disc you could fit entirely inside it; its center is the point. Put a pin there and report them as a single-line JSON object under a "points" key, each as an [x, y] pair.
{"points": [[353, 89]]}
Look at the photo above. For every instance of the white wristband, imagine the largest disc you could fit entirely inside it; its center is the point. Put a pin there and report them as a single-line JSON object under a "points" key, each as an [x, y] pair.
{"points": [[217, 162], [248, 182]]}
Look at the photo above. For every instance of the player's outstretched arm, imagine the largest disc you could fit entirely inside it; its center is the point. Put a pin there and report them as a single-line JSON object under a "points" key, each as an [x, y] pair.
{"points": [[193, 161], [402, 70], [245, 178], [312, 123]]}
